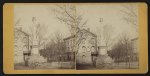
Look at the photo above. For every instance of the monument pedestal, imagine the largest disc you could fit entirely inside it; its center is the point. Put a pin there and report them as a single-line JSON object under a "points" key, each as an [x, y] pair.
{"points": [[36, 60], [104, 61]]}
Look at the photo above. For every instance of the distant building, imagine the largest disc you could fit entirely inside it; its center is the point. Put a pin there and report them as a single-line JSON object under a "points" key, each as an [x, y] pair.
{"points": [[83, 43], [135, 44], [70, 46], [21, 44], [135, 48]]}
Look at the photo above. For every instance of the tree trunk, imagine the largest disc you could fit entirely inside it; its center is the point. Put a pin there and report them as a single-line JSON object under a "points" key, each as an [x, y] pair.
{"points": [[129, 63], [48, 59], [118, 60]]}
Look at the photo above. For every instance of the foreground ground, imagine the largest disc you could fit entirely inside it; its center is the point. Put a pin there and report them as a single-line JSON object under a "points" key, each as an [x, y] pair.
{"points": [[121, 65], [52, 65], [70, 65]]}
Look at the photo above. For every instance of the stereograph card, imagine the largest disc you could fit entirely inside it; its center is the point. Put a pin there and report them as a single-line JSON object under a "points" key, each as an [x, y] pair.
{"points": [[75, 38]]}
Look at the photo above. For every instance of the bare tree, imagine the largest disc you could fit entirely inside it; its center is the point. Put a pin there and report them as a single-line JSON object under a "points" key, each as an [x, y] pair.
{"points": [[107, 34], [127, 47], [55, 47], [67, 14], [59, 41], [17, 22], [78, 38], [49, 51], [130, 15], [122, 49]]}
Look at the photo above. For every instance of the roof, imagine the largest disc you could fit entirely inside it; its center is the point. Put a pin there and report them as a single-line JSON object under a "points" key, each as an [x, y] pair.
{"points": [[89, 32], [69, 37], [80, 31]]}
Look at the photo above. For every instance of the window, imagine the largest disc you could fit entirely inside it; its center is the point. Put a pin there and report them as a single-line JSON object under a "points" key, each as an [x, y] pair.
{"points": [[83, 58], [83, 49], [25, 48], [68, 48], [83, 40], [92, 40], [25, 40], [88, 49], [92, 49]]}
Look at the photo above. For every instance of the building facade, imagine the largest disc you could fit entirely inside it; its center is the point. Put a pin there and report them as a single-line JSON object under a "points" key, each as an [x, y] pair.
{"points": [[70, 48], [21, 44], [135, 49], [83, 44]]}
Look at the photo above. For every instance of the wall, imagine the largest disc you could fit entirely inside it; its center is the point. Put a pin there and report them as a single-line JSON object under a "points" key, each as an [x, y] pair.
{"points": [[20, 45], [85, 48]]}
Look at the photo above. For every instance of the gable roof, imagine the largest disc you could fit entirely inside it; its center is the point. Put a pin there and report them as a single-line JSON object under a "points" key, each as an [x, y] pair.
{"points": [[72, 36], [89, 32]]}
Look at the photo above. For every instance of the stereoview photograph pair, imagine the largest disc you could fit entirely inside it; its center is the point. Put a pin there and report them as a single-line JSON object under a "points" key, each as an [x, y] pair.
{"points": [[75, 38]]}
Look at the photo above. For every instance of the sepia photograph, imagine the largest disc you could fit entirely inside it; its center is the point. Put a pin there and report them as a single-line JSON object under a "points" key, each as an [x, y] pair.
{"points": [[109, 39], [81, 37], [40, 38]]}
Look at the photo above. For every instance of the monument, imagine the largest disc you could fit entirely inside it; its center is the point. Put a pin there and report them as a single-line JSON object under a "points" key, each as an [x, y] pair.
{"points": [[35, 58], [35, 49]]}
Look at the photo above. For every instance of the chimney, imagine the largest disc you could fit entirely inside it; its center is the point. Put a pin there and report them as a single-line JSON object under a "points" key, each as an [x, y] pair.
{"points": [[88, 29]]}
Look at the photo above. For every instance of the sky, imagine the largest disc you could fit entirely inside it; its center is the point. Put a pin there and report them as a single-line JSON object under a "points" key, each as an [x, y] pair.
{"points": [[110, 14]]}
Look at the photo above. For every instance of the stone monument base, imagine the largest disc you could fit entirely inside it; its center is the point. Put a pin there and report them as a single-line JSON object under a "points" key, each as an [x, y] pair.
{"points": [[104, 61], [36, 60]]}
